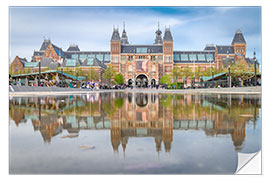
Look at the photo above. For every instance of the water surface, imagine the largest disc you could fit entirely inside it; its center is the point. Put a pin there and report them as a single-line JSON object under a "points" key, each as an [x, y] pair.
{"points": [[132, 133]]}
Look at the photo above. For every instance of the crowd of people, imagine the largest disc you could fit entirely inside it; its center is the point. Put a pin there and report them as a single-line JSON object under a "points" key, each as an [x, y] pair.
{"points": [[74, 84]]}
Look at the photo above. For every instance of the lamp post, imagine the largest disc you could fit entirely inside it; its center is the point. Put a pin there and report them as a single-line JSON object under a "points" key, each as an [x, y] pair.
{"points": [[255, 69], [229, 71], [39, 73], [76, 79], [62, 84]]}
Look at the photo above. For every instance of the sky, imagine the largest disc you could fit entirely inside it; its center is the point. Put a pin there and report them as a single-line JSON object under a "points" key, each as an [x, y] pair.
{"points": [[91, 27]]}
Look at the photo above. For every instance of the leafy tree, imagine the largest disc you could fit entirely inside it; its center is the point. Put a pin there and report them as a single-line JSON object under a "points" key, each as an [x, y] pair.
{"points": [[108, 74], [94, 75], [176, 73], [166, 79], [10, 70], [119, 79], [240, 70], [198, 72]]}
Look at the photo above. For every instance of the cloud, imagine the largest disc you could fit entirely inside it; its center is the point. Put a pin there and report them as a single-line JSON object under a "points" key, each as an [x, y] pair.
{"points": [[91, 27]]}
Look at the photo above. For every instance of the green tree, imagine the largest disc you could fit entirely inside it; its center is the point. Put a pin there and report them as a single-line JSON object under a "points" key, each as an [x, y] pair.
{"points": [[166, 79], [187, 72], [94, 75], [10, 70], [108, 74], [198, 72], [240, 70], [119, 79], [176, 73]]}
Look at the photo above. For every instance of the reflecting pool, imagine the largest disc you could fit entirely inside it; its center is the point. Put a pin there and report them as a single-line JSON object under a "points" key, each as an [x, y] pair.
{"points": [[132, 133]]}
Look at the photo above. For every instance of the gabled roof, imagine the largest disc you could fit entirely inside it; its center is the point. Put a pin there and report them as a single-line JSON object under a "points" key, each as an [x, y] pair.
{"points": [[147, 48], [238, 38], [167, 35], [225, 49]]}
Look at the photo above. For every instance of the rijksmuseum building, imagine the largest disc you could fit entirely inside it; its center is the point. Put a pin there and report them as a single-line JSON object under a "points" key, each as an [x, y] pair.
{"points": [[138, 63]]}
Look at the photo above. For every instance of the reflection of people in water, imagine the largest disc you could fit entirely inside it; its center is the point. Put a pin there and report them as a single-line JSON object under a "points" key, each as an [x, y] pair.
{"points": [[137, 115]]}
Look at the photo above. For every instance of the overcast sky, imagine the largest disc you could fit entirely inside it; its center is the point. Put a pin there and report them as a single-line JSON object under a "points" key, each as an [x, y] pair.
{"points": [[91, 27]]}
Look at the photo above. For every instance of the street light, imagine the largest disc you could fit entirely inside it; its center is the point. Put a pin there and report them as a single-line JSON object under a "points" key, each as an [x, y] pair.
{"points": [[255, 68], [39, 74], [62, 84], [229, 70]]}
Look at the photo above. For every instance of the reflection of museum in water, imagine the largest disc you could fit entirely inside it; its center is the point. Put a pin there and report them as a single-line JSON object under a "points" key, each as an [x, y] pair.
{"points": [[130, 115]]}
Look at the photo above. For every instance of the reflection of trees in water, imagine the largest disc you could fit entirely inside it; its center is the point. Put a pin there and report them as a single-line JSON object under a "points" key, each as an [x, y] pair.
{"points": [[229, 114]]}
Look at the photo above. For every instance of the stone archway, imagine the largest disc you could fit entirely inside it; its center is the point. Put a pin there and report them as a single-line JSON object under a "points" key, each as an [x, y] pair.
{"points": [[153, 82], [130, 82], [141, 81]]}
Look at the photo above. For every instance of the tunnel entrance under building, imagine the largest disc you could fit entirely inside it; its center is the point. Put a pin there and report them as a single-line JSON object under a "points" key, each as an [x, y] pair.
{"points": [[141, 81], [153, 82], [130, 82]]}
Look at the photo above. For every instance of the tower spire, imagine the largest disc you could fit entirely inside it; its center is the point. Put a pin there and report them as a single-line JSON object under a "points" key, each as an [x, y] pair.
{"points": [[124, 38]]}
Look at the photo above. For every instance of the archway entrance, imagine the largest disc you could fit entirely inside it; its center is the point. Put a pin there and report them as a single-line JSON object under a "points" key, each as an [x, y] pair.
{"points": [[130, 82], [141, 81], [153, 82]]}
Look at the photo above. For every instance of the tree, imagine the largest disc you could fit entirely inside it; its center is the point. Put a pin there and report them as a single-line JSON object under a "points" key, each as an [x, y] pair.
{"points": [[187, 72], [176, 73], [94, 75], [119, 79], [240, 70], [166, 79], [109, 74], [198, 72]]}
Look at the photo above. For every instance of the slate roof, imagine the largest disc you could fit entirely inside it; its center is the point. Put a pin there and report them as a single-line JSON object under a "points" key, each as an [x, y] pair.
{"points": [[238, 38], [251, 61], [225, 50], [167, 35], [58, 50], [193, 56], [73, 48], [23, 60], [133, 48], [210, 47], [115, 35], [44, 45], [38, 53]]}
